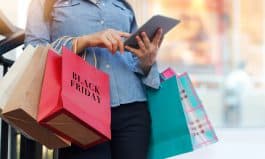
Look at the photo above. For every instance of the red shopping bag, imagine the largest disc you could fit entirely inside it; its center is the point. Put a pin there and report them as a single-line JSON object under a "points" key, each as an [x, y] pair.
{"points": [[75, 101]]}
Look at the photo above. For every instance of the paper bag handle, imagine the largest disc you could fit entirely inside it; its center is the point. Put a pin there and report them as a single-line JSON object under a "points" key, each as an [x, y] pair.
{"points": [[85, 53]]}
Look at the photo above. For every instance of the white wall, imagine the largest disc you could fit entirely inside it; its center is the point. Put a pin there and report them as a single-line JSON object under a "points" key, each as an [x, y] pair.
{"points": [[16, 12]]}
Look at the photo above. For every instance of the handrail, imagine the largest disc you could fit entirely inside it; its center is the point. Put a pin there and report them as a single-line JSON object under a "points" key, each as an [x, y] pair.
{"points": [[12, 41]]}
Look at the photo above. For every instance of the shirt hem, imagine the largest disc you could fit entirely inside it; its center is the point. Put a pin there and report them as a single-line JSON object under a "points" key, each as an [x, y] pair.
{"points": [[129, 101]]}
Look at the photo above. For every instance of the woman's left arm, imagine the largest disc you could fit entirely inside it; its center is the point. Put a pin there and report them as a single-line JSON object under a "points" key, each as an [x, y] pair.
{"points": [[148, 50], [146, 58]]}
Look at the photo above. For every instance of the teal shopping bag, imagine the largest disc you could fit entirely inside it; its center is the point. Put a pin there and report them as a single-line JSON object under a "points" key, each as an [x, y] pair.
{"points": [[170, 134]]}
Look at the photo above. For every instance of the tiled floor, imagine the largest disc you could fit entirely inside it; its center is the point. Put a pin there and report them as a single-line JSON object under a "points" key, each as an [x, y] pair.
{"points": [[233, 144]]}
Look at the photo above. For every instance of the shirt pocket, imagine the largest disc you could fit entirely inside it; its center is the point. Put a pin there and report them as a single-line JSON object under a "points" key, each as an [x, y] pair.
{"points": [[63, 8], [119, 16], [122, 9]]}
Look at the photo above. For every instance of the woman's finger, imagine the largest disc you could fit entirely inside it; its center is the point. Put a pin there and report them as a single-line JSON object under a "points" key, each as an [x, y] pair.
{"points": [[123, 34], [136, 52], [113, 42], [146, 40], [161, 41], [107, 44], [119, 42], [140, 43], [156, 40]]}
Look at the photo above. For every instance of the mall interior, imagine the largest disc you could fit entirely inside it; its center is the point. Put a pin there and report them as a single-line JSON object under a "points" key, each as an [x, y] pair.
{"points": [[221, 45]]}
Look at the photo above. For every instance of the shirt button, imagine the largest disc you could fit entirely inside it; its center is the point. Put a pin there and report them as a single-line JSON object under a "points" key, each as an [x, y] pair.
{"points": [[102, 22], [107, 66], [66, 2]]}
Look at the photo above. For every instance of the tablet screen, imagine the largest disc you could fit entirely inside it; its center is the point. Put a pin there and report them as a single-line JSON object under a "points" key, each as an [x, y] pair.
{"points": [[151, 26]]}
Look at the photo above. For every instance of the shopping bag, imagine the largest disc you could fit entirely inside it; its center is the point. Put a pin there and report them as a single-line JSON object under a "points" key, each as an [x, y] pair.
{"points": [[179, 121], [201, 129], [75, 101], [170, 134], [8, 82], [20, 97]]}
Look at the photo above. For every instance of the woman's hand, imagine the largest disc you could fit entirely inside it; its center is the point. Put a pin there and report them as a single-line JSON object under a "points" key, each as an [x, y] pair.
{"points": [[110, 39], [147, 51]]}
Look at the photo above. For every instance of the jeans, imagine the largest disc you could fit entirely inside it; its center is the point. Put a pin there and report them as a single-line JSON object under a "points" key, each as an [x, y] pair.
{"points": [[130, 128]]}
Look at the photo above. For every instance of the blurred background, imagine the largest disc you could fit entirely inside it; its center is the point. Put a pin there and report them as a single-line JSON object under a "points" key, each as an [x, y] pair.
{"points": [[221, 44]]}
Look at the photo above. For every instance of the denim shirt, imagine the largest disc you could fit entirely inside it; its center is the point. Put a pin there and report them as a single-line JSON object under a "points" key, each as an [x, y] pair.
{"points": [[81, 17]]}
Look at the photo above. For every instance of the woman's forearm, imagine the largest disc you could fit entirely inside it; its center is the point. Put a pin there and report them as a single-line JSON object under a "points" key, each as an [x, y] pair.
{"points": [[82, 43], [109, 38]]}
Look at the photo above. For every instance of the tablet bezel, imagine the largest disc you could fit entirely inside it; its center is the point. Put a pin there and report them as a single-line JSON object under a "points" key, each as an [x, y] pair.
{"points": [[150, 27]]}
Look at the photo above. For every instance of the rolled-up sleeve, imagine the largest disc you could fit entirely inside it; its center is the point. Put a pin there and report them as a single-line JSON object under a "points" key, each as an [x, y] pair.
{"points": [[38, 29], [152, 78]]}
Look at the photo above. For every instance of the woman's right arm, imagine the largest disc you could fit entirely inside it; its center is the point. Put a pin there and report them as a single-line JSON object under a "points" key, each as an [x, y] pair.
{"points": [[109, 38], [38, 33], [38, 29]]}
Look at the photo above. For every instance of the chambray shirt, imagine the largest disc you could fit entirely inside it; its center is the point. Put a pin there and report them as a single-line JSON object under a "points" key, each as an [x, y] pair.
{"points": [[80, 17]]}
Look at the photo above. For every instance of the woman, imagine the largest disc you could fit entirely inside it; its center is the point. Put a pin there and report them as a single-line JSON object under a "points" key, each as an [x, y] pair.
{"points": [[99, 26]]}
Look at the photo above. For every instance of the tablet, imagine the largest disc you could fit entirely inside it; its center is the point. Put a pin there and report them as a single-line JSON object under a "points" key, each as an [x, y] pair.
{"points": [[150, 27]]}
